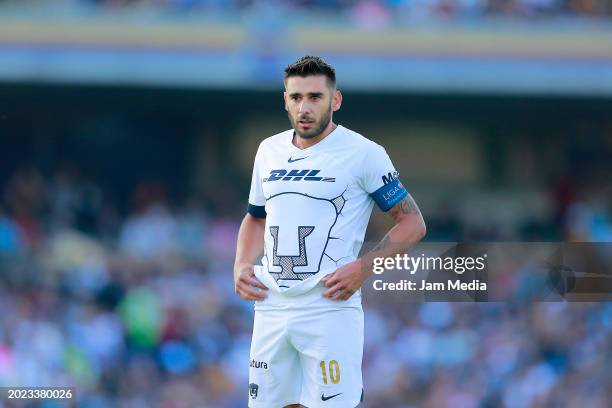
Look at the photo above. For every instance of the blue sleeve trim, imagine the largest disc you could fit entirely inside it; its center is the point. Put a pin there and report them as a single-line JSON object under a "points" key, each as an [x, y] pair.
{"points": [[257, 211], [389, 195]]}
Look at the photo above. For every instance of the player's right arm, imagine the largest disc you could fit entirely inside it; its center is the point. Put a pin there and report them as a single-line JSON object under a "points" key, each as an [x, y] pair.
{"points": [[251, 240], [249, 246]]}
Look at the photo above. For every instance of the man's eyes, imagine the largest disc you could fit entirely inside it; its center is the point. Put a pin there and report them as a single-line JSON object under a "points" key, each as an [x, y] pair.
{"points": [[312, 98]]}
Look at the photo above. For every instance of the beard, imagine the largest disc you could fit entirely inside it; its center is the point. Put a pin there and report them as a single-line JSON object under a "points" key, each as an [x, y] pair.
{"points": [[317, 128]]}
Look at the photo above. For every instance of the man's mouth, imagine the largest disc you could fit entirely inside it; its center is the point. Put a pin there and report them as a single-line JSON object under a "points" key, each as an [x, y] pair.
{"points": [[305, 122]]}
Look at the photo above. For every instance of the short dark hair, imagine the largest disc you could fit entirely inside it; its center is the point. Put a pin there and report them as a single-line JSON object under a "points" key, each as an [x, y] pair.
{"points": [[311, 65]]}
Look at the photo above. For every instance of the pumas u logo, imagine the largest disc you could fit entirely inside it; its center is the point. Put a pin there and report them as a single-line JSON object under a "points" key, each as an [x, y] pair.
{"points": [[287, 263], [297, 175], [295, 250]]}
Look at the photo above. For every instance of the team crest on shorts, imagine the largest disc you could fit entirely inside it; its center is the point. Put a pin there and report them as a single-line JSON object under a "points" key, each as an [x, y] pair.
{"points": [[253, 390]]}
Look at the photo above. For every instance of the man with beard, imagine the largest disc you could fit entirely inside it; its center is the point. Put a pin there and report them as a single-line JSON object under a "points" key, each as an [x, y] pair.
{"points": [[312, 193]]}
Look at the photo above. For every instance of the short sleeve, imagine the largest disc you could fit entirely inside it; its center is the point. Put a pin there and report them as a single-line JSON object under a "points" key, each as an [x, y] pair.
{"points": [[257, 200], [380, 179]]}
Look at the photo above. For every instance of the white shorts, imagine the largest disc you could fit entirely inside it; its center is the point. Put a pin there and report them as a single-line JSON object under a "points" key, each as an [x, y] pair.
{"points": [[307, 356]]}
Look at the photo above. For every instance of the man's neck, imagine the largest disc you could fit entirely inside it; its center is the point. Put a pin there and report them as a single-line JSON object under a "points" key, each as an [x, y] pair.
{"points": [[302, 143]]}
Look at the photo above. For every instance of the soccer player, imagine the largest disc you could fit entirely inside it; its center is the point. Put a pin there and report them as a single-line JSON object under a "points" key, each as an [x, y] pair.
{"points": [[312, 193]]}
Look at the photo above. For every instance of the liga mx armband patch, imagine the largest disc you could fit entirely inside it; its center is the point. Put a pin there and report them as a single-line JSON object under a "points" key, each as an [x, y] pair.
{"points": [[257, 211], [389, 194]]}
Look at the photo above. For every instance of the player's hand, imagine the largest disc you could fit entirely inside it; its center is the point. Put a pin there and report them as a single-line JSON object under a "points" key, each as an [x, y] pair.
{"points": [[245, 281], [345, 281]]}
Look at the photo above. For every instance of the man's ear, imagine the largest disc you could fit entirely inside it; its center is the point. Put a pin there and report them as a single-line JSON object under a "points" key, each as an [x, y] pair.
{"points": [[337, 100], [285, 99]]}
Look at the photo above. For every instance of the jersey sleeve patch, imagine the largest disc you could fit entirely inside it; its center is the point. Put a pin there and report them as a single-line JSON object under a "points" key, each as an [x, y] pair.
{"points": [[389, 195], [257, 211]]}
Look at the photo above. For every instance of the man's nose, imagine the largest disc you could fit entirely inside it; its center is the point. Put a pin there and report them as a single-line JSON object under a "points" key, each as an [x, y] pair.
{"points": [[304, 107]]}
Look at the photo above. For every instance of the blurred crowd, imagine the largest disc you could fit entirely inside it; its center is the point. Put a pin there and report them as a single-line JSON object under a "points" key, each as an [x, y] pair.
{"points": [[135, 308], [386, 11]]}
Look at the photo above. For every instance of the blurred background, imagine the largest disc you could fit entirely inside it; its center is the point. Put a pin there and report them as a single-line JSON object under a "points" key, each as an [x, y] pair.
{"points": [[127, 134]]}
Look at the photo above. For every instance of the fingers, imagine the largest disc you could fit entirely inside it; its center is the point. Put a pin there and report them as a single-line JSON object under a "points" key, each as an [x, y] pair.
{"points": [[254, 282], [340, 295], [332, 290], [330, 280], [338, 292], [336, 289], [246, 283], [248, 293], [250, 279]]}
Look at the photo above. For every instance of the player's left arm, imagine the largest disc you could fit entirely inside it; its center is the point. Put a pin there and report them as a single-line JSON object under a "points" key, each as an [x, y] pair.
{"points": [[409, 229]]}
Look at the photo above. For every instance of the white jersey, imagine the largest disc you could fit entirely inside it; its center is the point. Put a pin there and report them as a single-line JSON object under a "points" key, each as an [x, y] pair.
{"points": [[317, 203]]}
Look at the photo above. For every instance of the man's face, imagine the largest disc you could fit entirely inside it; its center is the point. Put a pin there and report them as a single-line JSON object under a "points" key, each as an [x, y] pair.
{"points": [[309, 102]]}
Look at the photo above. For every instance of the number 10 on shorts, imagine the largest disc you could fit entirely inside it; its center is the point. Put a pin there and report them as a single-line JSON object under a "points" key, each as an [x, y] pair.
{"points": [[334, 371]]}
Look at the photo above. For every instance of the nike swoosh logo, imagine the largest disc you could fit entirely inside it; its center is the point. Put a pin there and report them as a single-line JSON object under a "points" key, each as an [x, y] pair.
{"points": [[294, 160], [324, 398]]}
